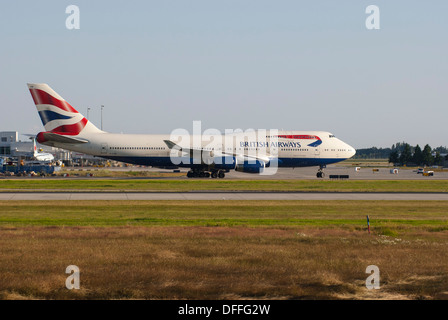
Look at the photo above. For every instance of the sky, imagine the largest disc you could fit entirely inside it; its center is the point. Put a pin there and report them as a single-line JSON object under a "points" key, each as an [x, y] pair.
{"points": [[157, 66]]}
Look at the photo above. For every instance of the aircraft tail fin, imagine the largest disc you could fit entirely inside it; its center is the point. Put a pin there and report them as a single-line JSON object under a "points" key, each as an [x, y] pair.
{"points": [[57, 115], [34, 147]]}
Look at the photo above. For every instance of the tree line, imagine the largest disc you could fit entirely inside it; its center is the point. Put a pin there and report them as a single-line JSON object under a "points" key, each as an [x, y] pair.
{"points": [[408, 155], [403, 153]]}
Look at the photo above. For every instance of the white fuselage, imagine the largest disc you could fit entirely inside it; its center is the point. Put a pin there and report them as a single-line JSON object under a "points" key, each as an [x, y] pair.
{"points": [[291, 148]]}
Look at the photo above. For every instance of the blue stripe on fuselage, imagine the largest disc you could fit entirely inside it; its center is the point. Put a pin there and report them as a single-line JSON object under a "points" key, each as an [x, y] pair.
{"points": [[166, 161]]}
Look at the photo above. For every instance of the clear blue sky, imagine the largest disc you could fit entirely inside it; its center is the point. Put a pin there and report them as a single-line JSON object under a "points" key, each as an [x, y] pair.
{"points": [[294, 65]]}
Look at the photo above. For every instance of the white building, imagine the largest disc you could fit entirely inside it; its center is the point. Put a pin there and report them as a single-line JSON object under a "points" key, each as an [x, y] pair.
{"points": [[11, 146]]}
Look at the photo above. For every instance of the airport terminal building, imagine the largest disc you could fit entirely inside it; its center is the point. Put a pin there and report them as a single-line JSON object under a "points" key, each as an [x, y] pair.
{"points": [[12, 146]]}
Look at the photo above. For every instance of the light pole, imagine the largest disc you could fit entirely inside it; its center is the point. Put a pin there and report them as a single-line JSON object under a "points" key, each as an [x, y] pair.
{"points": [[88, 109], [102, 117]]}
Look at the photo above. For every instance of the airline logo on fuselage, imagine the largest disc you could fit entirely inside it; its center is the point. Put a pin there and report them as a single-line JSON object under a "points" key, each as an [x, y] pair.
{"points": [[266, 144], [283, 144]]}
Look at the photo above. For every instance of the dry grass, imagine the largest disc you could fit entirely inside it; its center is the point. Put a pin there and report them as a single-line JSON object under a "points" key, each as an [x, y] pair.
{"points": [[120, 173], [135, 262], [223, 249]]}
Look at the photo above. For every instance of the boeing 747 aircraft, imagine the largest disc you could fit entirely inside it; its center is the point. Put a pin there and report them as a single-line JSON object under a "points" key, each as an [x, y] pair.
{"points": [[205, 155]]}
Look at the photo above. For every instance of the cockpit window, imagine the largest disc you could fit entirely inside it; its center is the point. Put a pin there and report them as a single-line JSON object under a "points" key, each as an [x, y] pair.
{"points": [[331, 136]]}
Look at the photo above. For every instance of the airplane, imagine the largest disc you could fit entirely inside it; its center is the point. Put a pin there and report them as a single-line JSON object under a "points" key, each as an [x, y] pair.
{"points": [[41, 156], [205, 155]]}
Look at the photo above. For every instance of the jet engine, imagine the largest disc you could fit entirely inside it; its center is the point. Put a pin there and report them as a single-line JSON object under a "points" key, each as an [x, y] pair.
{"points": [[250, 166]]}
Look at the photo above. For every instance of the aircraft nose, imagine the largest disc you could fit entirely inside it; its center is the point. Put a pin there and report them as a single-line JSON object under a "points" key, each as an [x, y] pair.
{"points": [[351, 151]]}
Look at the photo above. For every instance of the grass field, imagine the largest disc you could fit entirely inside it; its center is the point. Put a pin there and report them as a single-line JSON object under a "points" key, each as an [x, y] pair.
{"points": [[366, 163], [182, 185], [397, 215], [223, 249]]}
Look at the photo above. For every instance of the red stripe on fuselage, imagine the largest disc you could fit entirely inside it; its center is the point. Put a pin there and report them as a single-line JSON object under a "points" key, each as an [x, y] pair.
{"points": [[42, 97], [303, 137]]}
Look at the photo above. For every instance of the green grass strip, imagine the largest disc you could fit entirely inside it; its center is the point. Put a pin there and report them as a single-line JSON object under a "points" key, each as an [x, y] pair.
{"points": [[431, 215], [184, 185]]}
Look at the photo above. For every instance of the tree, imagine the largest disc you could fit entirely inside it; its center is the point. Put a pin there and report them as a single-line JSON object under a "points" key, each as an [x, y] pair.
{"points": [[441, 149], [417, 158], [393, 157], [438, 160], [405, 156], [428, 159]]}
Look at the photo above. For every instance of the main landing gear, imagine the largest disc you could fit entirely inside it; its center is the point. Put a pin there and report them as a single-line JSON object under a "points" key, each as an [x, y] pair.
{"points": [[206, 174], [320, 172]]}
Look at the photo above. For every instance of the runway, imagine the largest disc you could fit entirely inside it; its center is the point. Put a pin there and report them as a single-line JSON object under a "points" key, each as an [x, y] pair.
{"points": [[370, 173], [318, 196]]}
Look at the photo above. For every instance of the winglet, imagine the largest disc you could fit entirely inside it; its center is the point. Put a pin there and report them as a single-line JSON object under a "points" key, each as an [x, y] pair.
{"points": [[172, 145]]}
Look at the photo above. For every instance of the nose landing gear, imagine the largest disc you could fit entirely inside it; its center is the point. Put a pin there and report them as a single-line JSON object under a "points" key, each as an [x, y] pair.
{"points": [[320, 172]]}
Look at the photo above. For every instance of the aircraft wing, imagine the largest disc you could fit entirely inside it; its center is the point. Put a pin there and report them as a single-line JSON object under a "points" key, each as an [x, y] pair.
{"points": [[263, 158], [172, 145]]}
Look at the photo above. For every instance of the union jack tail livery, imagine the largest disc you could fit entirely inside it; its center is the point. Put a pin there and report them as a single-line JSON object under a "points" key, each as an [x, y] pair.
{"points": [[57, 115]]}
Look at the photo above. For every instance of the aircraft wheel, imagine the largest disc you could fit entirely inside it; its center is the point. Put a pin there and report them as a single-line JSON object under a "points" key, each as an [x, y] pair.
{"points": [[221, 174], [190, 174], [214, 175]]}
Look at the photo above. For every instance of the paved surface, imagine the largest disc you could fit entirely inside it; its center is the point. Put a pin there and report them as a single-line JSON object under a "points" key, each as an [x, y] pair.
{"points": [[365, 173], [220, 196], [283, 173], [362, 174]]}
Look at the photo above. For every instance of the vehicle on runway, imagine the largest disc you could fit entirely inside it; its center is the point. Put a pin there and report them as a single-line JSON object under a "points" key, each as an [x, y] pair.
{"points": [[205, 155]]}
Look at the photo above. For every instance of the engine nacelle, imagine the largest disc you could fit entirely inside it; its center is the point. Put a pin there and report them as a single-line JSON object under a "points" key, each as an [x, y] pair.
{"points": [[224, 163], [218, 163], [251, 166]]}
